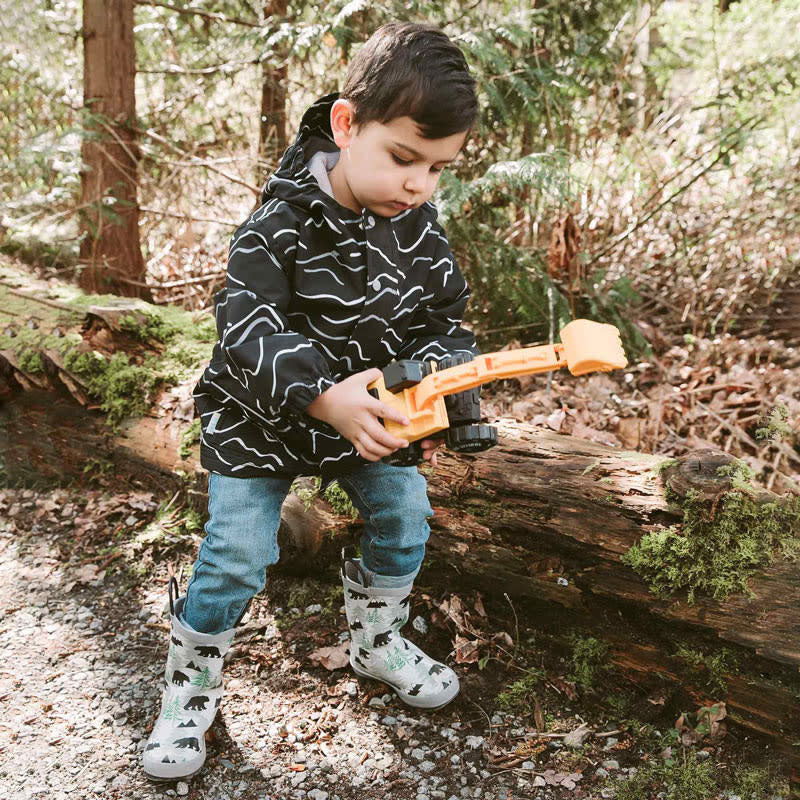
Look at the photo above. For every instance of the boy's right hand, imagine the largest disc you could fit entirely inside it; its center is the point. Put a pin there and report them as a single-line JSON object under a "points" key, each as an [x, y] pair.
{"points": [[354, 412]]}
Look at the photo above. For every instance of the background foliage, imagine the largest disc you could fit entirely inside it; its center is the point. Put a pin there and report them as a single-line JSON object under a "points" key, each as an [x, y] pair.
{"points": [[666, 131]]}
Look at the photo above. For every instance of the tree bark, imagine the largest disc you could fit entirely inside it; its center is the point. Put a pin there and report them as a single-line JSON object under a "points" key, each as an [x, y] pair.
{"points": [[542, 517], [110, 251], [272, 132]]}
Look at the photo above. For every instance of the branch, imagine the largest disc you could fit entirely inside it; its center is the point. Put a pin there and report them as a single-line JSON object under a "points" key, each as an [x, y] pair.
{"points": [[680, 190], [228, 68], [158, 213], [256, 190], [196, 12]]}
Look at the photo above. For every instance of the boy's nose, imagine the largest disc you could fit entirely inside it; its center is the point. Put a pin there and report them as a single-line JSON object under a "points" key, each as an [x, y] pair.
{"points": [[415, 181]]}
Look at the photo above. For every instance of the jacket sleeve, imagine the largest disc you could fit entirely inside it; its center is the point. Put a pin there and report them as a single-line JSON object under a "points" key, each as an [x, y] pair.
{"points": [[435, 331], [280, 370]]}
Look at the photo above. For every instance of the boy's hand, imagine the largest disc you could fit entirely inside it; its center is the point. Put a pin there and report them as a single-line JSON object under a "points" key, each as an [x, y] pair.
{"points": [[429, 448], [354, 412]]}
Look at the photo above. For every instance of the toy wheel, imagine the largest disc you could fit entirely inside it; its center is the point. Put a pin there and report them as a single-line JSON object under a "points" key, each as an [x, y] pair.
{"points": [[471, 438], [407, 457]]}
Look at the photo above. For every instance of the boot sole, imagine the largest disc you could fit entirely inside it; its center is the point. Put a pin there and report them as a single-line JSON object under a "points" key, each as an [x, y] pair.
{"points": [[405, 700], [167, 779]]}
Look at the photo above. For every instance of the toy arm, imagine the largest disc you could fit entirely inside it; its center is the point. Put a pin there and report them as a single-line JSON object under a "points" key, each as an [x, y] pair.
{"points": [[586, 346]]}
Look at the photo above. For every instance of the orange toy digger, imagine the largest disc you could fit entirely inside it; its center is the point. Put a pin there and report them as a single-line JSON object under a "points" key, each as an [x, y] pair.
{"points": [[445, 397]]}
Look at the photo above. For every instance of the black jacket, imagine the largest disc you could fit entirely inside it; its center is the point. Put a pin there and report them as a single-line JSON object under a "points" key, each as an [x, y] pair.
{"points": [[314, 293]]}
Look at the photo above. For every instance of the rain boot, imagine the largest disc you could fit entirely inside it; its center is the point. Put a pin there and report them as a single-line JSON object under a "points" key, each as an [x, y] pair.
{"points": [[377, 650], [192, 693]]}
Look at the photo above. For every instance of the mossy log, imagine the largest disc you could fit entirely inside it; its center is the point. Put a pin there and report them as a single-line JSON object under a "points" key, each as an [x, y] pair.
{"points": [[543, 517]]}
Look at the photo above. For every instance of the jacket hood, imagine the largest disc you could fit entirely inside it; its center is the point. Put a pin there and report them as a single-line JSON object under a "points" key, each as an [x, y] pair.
{"points": [[293, 182]]}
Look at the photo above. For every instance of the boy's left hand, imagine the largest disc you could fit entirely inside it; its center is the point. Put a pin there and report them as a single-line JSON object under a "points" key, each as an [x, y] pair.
{"points": [[429, 448]]}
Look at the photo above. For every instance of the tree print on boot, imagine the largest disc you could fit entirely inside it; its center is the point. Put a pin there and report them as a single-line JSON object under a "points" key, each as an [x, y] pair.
{"points": [[378, 650], [191, 696]]}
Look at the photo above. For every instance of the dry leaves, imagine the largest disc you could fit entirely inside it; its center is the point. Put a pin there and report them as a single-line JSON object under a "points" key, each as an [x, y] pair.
{"points": [[332, 658]]}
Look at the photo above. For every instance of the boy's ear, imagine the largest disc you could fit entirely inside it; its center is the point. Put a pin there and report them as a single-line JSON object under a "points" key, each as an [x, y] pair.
{"points": [[342, 125]]}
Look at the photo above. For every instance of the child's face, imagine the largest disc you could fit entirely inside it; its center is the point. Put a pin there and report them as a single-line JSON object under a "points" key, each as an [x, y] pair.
{"points": [[386, 168]]}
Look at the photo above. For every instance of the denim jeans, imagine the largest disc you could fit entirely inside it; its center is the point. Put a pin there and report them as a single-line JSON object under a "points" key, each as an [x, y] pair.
{"points": [[242, 537]]}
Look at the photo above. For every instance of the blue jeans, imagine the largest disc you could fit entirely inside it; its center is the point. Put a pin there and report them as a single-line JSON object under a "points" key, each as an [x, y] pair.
{"points": [[242, 537]]}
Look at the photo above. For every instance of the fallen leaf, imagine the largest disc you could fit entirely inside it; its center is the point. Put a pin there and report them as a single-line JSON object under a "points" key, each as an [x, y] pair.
{"points": [[332, 658], [466, 650], [88, 573]]}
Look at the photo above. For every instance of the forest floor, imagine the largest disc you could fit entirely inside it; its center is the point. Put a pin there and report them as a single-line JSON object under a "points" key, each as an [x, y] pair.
{"points": [[84, 624], [83, 582]]}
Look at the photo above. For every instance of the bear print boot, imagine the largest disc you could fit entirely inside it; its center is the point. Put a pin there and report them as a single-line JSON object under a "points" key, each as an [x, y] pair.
{"points": [[192, 693], [377, 650]]}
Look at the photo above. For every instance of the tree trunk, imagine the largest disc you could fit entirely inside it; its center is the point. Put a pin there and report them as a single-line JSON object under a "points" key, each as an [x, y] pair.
{"points": [[110, 251], [542, 517], [272, 133]]}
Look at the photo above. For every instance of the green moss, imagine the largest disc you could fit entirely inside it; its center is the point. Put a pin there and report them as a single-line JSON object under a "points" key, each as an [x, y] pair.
{"points": [[774, 425], [340, 501], [716, 666], [718, 548], [518, 696], [755, 783], [588, 660], [123, 389], [148, 326], [189, 438], [334, 495], [682, 778], [30, 361]]}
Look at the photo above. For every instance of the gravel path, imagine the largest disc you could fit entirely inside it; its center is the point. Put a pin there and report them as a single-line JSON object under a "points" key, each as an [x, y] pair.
{"points": [[84, 649]]}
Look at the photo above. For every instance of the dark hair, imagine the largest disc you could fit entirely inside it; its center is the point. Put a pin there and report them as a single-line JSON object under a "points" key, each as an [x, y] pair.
{"points": [[414, 70]]}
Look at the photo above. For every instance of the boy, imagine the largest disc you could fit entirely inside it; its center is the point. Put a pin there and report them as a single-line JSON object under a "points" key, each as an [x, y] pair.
{"points": [[342, 269]]}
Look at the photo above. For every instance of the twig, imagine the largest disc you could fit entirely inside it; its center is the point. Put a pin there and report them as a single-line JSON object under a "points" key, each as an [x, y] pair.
{"points": [[155, 211], [196, 12], [516, 626], [752, 122]]}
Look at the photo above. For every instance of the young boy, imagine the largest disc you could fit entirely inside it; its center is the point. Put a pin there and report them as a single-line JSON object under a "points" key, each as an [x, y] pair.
{"points": [[342, 269]]}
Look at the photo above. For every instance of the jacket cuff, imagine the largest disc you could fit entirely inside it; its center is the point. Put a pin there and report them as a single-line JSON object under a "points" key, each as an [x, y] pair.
{"points": [[301, 396]]}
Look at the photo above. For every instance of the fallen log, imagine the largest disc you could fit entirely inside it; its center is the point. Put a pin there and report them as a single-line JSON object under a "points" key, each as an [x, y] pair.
{"points": [[548, 519]]}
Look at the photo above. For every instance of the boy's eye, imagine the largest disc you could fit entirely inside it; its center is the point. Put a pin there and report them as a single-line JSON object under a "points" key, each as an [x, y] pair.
{"points": [[403, 163]]}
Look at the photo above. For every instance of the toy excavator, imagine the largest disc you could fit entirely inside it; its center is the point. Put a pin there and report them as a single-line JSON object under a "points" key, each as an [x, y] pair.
{"points": [[445, 397]]}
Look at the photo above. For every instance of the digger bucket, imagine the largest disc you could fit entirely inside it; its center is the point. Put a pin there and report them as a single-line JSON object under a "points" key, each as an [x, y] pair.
{"points": [[589, 346]]}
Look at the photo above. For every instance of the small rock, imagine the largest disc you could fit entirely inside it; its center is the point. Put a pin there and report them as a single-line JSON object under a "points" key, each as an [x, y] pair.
{"points": [[475, 742], [318, 794], [610, 742], [577, 737], [182, 788], [376, 702], [351, 688], [390, 721], [314, 608], [419, 624], [427, 766], [528, 765], [601, 773], [539, 781], [607, 794], [611, 764]]}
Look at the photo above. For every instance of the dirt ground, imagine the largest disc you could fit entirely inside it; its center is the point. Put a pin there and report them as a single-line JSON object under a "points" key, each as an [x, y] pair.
{"points": [[83, 577]]}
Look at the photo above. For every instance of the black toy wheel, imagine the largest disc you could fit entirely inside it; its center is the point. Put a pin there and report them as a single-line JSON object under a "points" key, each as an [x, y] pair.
{"points": [[407, 457], [471, 438]]}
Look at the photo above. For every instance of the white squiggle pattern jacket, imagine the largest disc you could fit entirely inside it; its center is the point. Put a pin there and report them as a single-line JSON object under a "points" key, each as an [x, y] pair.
{"points": [[314, 293]]}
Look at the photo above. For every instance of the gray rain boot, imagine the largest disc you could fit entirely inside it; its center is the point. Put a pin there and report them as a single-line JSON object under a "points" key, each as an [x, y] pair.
{"points": [[192, 693], [377, 650]]}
